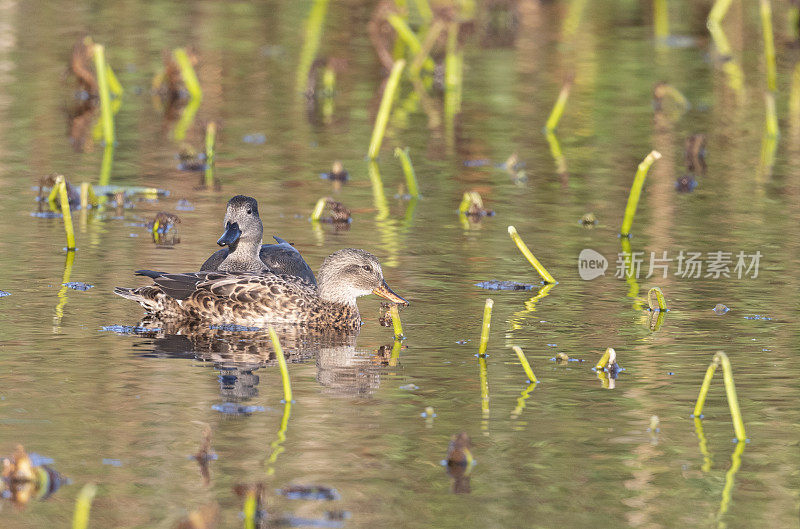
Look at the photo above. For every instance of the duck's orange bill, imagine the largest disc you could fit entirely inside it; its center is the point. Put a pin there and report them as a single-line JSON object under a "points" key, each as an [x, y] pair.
{"points": [[385, 292]]}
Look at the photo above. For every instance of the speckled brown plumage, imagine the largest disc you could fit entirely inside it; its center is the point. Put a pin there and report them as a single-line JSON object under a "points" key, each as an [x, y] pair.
{"points": [[257, 300]]}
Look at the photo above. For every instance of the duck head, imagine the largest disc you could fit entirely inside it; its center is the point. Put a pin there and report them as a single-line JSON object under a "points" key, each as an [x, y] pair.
{"points": [[351, 273], [242, 223]]}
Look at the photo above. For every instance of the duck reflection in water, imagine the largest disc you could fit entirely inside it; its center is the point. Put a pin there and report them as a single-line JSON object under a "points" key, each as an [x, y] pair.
{"points": [[459, 462], [26, 476], [237, 353]]}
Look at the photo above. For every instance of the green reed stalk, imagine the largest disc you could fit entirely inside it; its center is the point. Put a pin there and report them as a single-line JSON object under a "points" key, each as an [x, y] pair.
{"points": [[452, 73], [730, 391], [396, 323], [715, 17], [69, 262], [276, 446], [459, 78], [287, 386], [410, 38], [469, 199], [105, 95], [65, 212], [703, 444], [423, 56], [730, 475], [720, 41], [704, 387], [719, 10], [394, 357], [484, 381], [523, 396], [83, 505], [487, 323], [328, 82], [106, 164], [187, 73], [311, 40], [558, 109], [525, 364], [383, 111], [512, 231], [772, 115], [399, 50], [794, 95], [319, 208], [186, 119], [250, 506], [408, 171], [405, 33], [792, 20], [466, 202], [604, 360], [328, 93], [661, 19], [452, 85], [378, 194], [211, 138], [669, 90], [51, 198], [636, 191], [425, 11], [769, 45], [572, 19], [555, 152], [84, 195], [468, 10], [113, 83], [655, 299]]}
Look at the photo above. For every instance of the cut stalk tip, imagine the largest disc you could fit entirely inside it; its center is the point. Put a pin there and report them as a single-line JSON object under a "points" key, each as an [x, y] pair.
{"points": [[545, 275], [485, 327], [636, 191], [526, 366]]}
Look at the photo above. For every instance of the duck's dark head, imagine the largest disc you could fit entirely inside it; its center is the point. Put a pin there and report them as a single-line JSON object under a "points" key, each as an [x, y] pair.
{"points": [[350, 273], [242, 222]]}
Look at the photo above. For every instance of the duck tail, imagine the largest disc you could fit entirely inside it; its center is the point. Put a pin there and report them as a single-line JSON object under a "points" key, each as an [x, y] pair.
{"points": [[149, 273], [151, 298], [127, 293]]}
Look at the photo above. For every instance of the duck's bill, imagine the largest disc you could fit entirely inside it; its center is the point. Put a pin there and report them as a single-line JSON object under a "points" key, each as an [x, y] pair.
{"points": [[231, 235], [385, 292]]}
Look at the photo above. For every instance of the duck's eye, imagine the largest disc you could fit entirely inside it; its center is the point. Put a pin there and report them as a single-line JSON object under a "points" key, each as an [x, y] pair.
{"points": [[367, 268], [249, 211]]}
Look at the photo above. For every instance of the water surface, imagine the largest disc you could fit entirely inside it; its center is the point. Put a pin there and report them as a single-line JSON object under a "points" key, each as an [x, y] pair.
{"points": [[124, 410]]}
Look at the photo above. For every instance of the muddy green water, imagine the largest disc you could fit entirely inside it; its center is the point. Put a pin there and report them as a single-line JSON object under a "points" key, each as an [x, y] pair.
{"points": [[122, 410]]}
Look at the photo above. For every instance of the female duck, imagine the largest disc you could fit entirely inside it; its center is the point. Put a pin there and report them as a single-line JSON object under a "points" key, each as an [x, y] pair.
{"points": [[258, 300]]}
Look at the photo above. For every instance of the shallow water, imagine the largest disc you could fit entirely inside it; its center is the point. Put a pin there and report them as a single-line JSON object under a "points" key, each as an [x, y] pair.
{"points": [[122, 409]]}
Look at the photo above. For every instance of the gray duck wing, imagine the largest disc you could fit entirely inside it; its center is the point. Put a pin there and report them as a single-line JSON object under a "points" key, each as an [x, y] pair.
{"points": [[181, 286], [283, 258], [213, 262]]}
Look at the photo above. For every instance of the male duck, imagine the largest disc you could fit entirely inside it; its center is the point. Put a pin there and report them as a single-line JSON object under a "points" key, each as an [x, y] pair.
{"points": [[245, 253], [257, 300]]}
